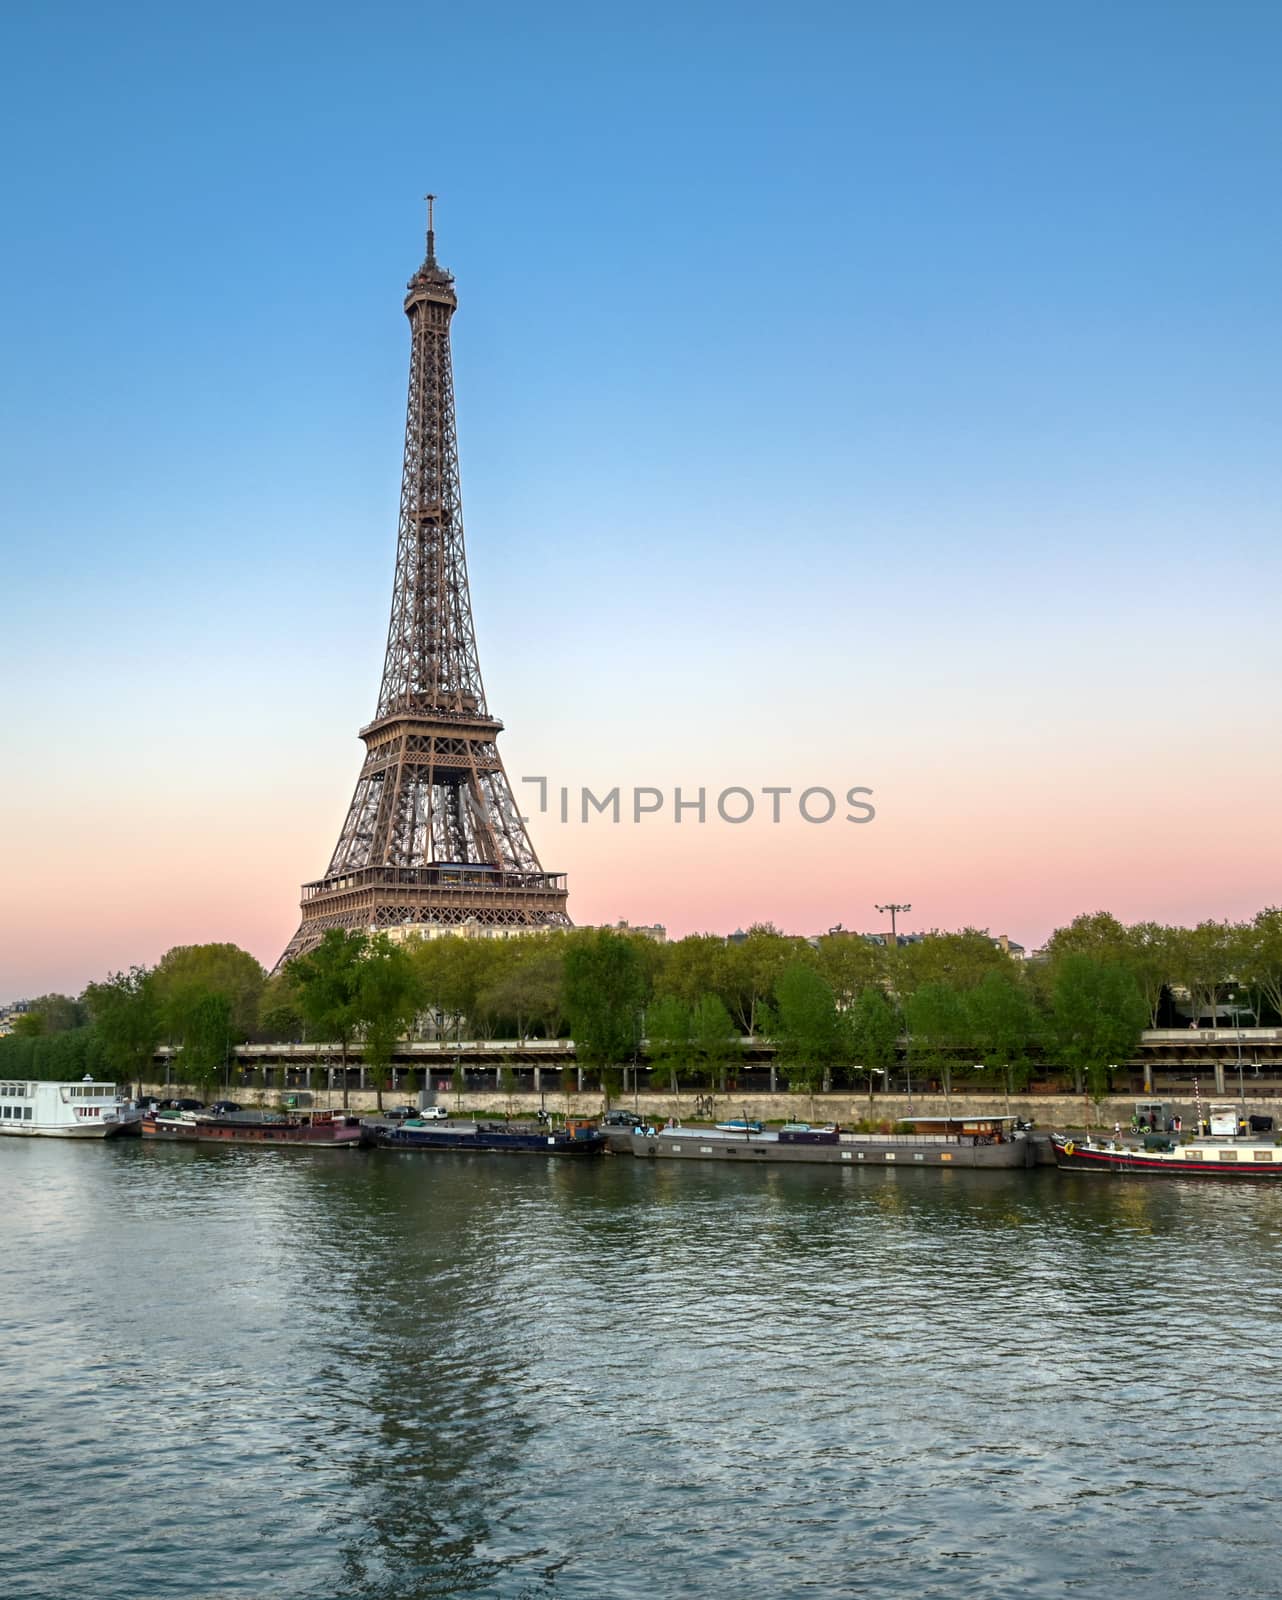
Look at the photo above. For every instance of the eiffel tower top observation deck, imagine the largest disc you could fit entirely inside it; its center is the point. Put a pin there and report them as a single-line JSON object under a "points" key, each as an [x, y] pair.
{"points": [[433, 839]]}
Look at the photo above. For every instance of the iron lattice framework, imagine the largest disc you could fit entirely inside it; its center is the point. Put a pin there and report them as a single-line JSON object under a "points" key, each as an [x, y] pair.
{"points": [[433, 836]]}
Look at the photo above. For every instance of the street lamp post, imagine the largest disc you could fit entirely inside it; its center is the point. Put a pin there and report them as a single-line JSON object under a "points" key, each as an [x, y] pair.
{"points": [[1237, 1029], [894, 907]]}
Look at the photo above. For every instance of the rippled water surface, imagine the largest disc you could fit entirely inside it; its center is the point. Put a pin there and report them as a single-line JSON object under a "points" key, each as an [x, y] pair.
{"points": [[315, 1374]]}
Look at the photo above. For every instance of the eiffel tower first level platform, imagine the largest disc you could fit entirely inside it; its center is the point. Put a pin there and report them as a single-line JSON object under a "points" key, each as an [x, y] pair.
{"points": [[433, 841], [441, 898]]}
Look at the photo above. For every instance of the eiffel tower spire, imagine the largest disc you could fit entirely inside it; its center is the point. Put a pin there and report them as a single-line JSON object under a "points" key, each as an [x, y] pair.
{"points": [[433, 839]]}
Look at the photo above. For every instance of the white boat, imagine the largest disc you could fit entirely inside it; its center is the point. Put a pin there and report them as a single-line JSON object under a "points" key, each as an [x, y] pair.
{"points": [[84, 1110]]}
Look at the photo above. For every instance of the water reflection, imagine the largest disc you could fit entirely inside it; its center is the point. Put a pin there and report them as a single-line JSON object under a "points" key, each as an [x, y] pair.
{"points": [[312, 1373]]}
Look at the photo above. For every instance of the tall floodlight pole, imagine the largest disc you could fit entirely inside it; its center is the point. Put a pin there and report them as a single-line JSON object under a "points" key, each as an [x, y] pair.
{"points": [[893, 908]]}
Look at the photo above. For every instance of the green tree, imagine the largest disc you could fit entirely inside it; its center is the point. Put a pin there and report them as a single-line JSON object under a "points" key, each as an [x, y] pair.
{"points": [[426, 954], [669, 1039], [280, 1017], [328, 985], [17, 1056], [470, 966], [1097, 1020], [604, 994], [850, 965], [507, 1084], [689, 968], [1148, 954], [874, 1034], [753, 968], [388, 999], [1003, 1025], [547, 985], [1202, 960], [528, 985], [60, 1057], [806, 1027], [202, 1018], [935, 1017], [190, 971], [51, 1013], [961, 959], [455, 972], [126, 1016], [714, 1039], [1259, 956], [1097, 934]]}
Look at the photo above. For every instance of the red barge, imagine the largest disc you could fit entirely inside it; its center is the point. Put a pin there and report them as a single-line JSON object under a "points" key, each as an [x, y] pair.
{"points": [[310, 1129], [1243, 1160]]}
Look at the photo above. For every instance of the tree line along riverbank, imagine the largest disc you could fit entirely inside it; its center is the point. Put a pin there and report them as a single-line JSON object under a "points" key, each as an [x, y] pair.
{"points": [[839, 1011]]}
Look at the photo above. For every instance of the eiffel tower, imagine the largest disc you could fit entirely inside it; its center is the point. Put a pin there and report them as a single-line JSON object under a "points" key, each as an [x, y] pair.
{"points": [[433, 841]]}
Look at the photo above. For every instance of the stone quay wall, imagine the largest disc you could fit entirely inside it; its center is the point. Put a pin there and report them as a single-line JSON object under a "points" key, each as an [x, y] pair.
{"points": [[1046, 1110]]}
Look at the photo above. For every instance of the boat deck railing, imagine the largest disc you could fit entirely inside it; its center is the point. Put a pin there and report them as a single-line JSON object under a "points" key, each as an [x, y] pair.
{"points": [[918, 1138]]}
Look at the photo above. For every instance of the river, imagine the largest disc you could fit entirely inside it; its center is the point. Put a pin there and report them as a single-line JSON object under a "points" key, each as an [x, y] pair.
{"points": [[322, 1374]]}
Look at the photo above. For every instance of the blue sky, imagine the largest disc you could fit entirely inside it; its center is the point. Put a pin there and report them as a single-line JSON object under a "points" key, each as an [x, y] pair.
{"points": [[868, 392]]}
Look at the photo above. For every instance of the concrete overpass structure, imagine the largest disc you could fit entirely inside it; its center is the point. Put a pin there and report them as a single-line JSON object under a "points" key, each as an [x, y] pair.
{"points": [[1222, 1058]]}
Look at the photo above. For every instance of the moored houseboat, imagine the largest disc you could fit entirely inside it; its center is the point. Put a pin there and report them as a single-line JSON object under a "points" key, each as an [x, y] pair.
{"points": [[169, 1125], [84, 1110], [305, 1129], [1220, 1155], [996, 1141], [500, 1138], [312, 1129]]}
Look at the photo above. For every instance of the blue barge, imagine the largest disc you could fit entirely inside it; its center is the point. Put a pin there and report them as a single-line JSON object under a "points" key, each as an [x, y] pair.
{"points": [[502, 1138]]}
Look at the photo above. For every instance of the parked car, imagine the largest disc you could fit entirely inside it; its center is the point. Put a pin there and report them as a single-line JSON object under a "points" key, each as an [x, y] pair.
{"points": [[621, 1119], [400, 1113], [179, 1104], [221, 1107], [434, 1114]]}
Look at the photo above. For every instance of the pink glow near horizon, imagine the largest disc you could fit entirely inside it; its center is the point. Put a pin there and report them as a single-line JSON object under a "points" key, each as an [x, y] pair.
{"points": [[1012, 859]]}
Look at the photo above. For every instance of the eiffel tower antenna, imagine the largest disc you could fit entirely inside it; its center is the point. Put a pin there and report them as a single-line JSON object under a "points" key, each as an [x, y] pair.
{"points": [[434, 840], [431, 229]]}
